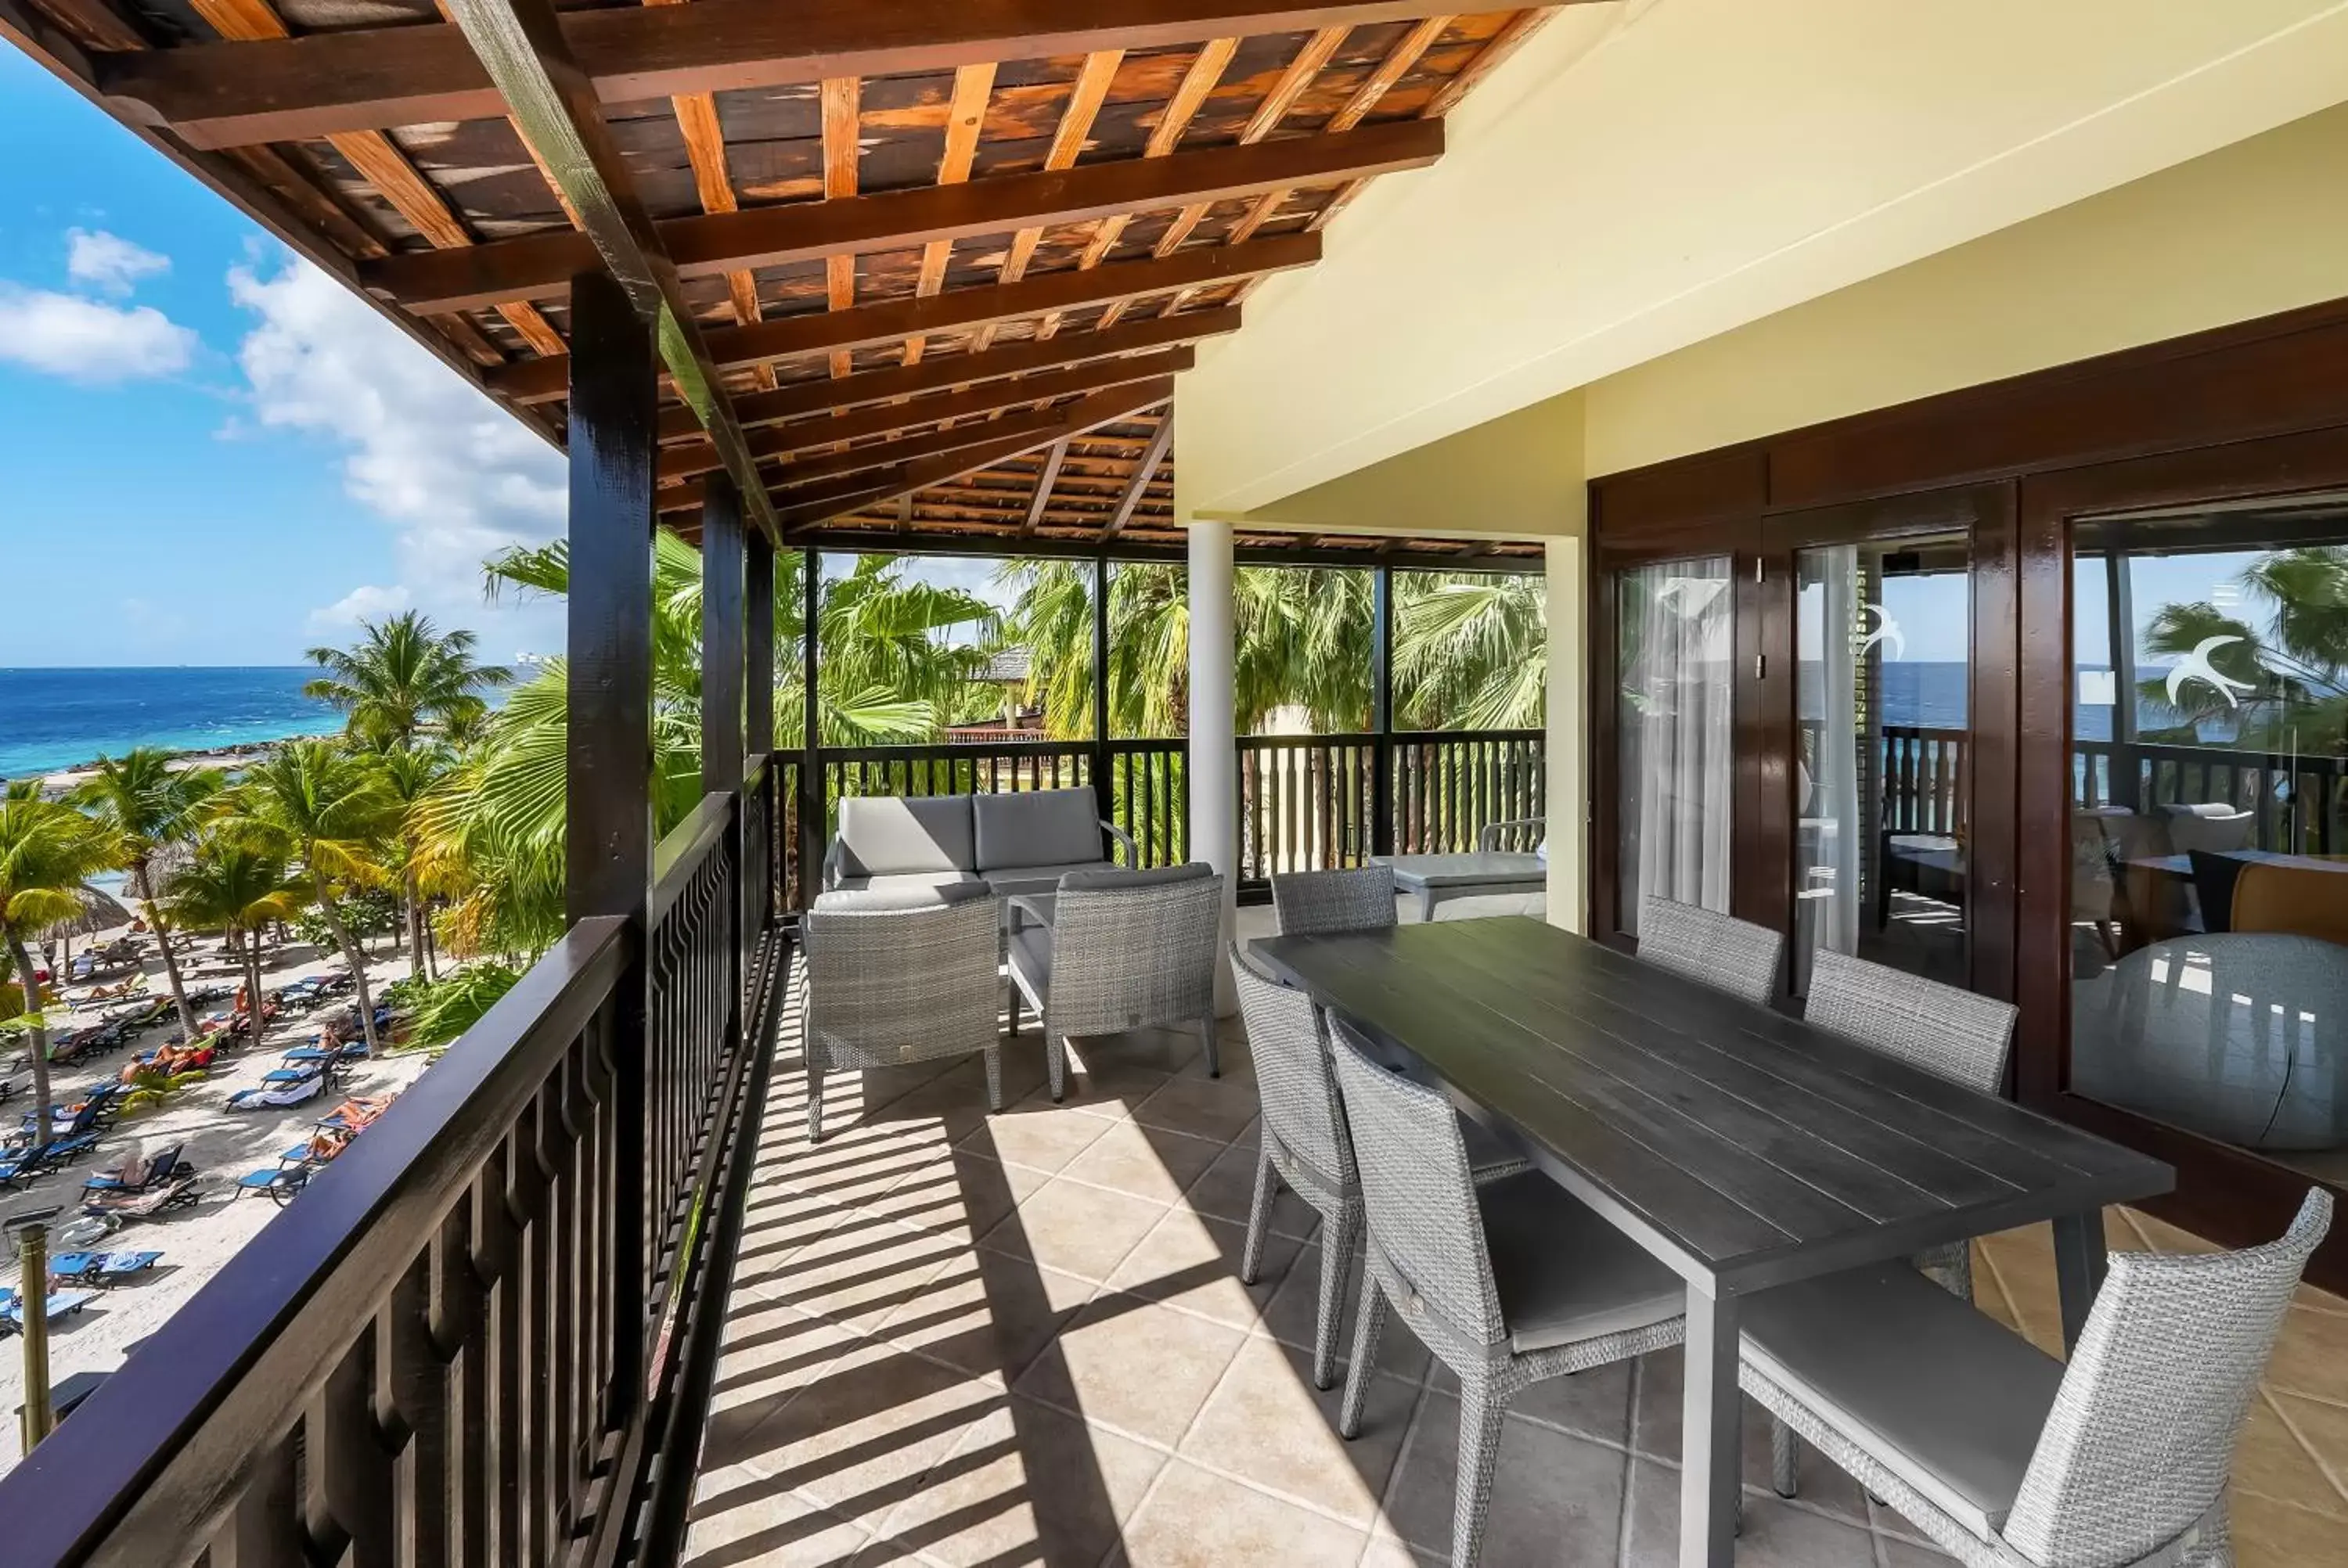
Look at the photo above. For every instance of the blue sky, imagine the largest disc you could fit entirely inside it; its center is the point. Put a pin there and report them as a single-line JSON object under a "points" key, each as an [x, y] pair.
{"points": [[213, 455]]}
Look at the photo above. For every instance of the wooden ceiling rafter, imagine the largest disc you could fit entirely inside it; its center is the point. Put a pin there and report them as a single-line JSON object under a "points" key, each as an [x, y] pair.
{"points": [[1041, 498], [1090, 91], [973, 87], [1144, 468], [842, 104], [713, 183]]}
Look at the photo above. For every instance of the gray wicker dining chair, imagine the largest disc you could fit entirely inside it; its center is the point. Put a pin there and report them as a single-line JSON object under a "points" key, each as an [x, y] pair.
{"points": [[1325, 903], [899, 976], [1117, 950], [1305, 1147], [1508, 1284], [1710, 948], [1949, 1033], [2003, 1455]]}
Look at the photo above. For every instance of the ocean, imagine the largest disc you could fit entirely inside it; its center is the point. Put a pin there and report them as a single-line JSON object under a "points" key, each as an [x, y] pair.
{"points": [[54, 719]]}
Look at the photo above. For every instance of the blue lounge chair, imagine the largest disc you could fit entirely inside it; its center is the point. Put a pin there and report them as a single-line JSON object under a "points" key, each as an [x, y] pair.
{"points": [[293, 1173], [285, 1086], [162, 1168], [107, 1268], [62, 1304]]}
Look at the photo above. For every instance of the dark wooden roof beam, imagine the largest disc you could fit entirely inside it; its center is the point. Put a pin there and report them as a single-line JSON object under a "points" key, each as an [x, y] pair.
{"points": [[541, 266], [1151, 456], [298, 90], [866, 326]]}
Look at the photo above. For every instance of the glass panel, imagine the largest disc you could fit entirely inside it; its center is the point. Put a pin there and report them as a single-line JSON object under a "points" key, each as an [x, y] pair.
{"points": [[1883, 642], [1675, 651], [2210, 788]]}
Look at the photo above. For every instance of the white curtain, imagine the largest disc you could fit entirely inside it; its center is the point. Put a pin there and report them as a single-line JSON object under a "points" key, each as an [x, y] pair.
{"points": [[1678, 696], [1839, 824]]}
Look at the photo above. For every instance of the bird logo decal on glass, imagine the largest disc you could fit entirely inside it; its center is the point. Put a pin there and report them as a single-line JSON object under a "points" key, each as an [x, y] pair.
{"points": [[1887, 632], [2196, 666]]}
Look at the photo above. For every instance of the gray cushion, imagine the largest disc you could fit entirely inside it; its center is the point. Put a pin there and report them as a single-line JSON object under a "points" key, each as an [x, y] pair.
{"points": [[883, 834], [926, 880], [1029, 950], [1113, 878], [901, 893], [1946, 1399], [1008, 879], [1563, 1274], [1038, 828]]}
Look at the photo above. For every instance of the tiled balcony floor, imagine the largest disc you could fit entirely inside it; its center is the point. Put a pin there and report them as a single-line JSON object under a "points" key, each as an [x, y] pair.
{"points": [[1020, 1339]]}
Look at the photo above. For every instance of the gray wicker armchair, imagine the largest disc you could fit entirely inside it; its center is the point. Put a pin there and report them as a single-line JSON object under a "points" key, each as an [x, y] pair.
{"points": [[1508, 1284], [1949, 1033], [2006, 1457], [1304, 1144], [1320, 903], [1711, 948], [901, 976], [1117, 950]]}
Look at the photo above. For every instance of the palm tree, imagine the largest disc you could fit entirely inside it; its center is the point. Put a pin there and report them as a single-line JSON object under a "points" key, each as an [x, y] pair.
{"points": [[49, 851], [2295, 665], [328, 808], [232, 887], [1471, 651], [150, 809], [409, 777], [404, 673]]}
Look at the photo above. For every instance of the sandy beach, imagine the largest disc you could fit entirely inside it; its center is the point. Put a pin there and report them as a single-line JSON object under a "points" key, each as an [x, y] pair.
{"points": [[57, 785], [222, 1144]]}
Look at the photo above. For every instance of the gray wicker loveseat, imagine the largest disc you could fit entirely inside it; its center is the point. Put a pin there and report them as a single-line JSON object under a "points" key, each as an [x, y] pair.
{"points": [[1019, 841]]}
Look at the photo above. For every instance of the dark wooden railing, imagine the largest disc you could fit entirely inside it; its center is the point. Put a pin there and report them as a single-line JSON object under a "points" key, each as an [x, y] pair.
{"points": [[1925, 787], [2298, 804], [417, 1362], [1447, 784]]}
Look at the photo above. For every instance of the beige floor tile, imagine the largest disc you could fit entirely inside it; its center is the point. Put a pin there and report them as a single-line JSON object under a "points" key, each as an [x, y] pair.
{"points": [[1134, 1366], [1111, 1098], [1206, 1107], [1193, 1262], [1595, 1404], [740, 1518], [2272, 1460], [1655, 1433], [2311, 1356], [2274, 1535], [1044, 1138], [2324, 1429], [771, 1353], [1266, 1423], [1026, 1484], [1899, 1553], [1076, 1229], [1225, 1191], [962, 1195], [1555, 1498], [1143, 1161], [987, 1313], [2023, 1261], [2162, 1236], [859, 1439], [1192, 1519], [857, 1274], [1776, 1534]]}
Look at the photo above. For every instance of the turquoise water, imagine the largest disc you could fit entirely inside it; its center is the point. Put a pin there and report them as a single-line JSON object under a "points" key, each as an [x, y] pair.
{"points": [[53, 718]]}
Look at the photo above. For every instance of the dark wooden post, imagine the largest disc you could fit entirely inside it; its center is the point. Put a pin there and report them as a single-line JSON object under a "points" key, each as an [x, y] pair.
{"points": [[1381, 784], [811, 834], [608, 772], [759, 707], [721, 572], [1104, 787], [723, 569]]}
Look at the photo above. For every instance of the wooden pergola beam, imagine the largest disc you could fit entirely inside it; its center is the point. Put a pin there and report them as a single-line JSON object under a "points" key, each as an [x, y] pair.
{"points": [[891, 454], [1151, 456], [1045, 481], [976, 403], [299, 89], [896, 319], [958, 370], [521, 46], [539, 266]]}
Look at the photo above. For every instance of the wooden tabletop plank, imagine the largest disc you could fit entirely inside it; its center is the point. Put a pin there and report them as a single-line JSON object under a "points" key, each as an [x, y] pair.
{"points": [[1759, 1146]]}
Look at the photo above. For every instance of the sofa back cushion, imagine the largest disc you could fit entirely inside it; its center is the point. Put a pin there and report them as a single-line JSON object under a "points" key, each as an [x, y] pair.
{"points": [[1038, 828], [881, 835]]}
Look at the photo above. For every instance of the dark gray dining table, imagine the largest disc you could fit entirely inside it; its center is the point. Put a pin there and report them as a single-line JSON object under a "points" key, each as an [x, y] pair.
{"points": [[1742, 1147]]}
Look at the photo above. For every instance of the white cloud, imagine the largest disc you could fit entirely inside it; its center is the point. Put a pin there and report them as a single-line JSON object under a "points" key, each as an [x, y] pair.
{"points": [[108, 262], [83, 339], [454, 475], [366, 602]]}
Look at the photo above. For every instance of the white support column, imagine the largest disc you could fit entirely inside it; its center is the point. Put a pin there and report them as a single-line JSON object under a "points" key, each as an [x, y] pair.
{"points": [[1567, 749], [1212, 765]]}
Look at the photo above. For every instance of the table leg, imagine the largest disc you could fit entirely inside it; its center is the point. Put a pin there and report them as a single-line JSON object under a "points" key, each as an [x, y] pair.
{"points": [[1712, 1429], [2079, 1264], [1427, 906]]}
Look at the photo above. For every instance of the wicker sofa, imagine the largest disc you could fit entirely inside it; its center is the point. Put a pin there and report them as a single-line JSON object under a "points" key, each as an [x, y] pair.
{"points": [[1019, 841]]}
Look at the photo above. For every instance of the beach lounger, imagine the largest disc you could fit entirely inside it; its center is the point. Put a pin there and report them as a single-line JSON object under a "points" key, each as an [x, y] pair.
{"points": [[164, 1167], [286, 1086], [62, 1304], [292, 1174], [114, 1207], [101, 1268]]}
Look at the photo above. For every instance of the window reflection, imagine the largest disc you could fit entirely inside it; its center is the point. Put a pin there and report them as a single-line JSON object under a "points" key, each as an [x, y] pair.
{"points": [[2209, 824]]}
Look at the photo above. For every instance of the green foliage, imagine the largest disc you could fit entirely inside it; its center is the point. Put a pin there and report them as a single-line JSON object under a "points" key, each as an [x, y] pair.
{"points": [[447, 1008], [402, 674], [2292, 652]]}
